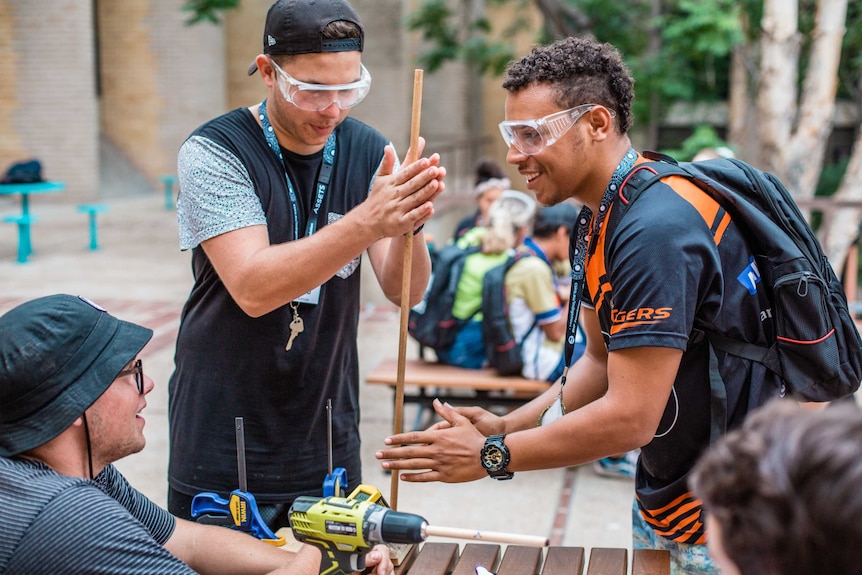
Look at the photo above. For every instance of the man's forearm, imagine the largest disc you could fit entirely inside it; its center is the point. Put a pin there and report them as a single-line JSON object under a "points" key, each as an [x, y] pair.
{"points": [[212, 550]]}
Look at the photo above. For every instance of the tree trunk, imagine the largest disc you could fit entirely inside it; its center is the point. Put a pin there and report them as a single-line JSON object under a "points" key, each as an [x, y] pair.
{"points": [[844, 228], [562, 19], [807, 147], [742, 133], [776, 100]]}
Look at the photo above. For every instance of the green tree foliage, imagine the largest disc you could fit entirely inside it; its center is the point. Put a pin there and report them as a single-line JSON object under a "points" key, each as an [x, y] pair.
{"points": [[207, 10], [450, 37], [679, 54], [703, 137]]}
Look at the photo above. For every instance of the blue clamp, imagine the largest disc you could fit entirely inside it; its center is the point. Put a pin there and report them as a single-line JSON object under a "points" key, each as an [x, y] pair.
{"points": [[334, 485], [242, 508]]}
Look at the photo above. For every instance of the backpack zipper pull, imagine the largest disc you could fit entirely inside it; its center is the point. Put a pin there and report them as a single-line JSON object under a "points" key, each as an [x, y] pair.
{"points": [[802, 286]]}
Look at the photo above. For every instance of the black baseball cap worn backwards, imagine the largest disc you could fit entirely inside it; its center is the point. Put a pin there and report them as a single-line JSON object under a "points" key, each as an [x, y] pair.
{"points": [[562, 214], [296, 27], [58, 355]]}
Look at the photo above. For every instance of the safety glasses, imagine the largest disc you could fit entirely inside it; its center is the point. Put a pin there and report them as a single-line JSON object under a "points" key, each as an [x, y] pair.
{"points": [[532, 136], [317, 97]]}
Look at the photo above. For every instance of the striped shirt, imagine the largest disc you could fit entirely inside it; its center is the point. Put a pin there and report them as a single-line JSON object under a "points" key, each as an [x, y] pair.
{"points": [[53, 523]]}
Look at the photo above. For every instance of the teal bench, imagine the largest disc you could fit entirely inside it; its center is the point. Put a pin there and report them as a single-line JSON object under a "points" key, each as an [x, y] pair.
{"points": [[92, 210], [169, 181], [23, 223]]}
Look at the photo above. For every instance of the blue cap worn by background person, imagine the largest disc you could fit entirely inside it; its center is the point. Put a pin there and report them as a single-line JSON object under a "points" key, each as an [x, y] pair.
{"points": [[296, 27], [58, 355]]}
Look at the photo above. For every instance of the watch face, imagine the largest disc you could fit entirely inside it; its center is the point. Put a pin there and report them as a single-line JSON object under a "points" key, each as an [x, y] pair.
{"points": [[492, 457]]}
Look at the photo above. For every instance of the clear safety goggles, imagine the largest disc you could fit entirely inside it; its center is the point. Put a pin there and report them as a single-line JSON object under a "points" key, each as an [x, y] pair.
{"points": [[317, 97], [532, 136]]}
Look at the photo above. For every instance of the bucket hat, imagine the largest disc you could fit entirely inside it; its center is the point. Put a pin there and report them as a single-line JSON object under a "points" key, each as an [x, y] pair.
{"points": [[58, 355]]}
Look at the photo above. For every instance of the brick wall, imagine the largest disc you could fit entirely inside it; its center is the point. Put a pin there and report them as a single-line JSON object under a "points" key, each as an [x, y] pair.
{"points": [[47, 104], [160, 79]]}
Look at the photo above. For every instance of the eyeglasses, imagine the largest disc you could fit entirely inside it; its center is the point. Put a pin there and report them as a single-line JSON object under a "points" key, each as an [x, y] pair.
{"points": [[317, 97], [532, 136], [138, 371]]}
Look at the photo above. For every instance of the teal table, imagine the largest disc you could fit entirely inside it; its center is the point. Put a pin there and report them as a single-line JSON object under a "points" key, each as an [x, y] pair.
{"points": [[169, 181], [25, 246]]}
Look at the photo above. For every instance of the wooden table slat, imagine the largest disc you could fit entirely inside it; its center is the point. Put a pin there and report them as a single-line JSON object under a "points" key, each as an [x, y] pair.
{"points": [[443, 559], [605, 561], [520, 560], [435, 559], [650, 562], [564, 561], [473, 554]]}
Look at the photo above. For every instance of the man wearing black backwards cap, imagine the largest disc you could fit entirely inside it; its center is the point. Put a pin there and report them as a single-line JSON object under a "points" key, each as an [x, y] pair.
{"points": [[278, 203], [71, 392]]}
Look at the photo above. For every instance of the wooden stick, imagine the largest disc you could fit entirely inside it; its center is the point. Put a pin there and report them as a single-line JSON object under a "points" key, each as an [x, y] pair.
{"points": [[513, 538], [405, 283]]}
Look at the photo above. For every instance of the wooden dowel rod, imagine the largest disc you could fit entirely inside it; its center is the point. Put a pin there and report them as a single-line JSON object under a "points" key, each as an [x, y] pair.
{"points": [[413, 155], [512, 538]]}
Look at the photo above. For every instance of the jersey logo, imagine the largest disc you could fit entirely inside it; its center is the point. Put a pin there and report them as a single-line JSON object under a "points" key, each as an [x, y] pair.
{"points": [[622, 319], [750, 277]]}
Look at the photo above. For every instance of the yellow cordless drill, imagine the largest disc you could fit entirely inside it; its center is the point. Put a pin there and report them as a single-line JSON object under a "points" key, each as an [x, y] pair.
{"points": [[345, 529]]}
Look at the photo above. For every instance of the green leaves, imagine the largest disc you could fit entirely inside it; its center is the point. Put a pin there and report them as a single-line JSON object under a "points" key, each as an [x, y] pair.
{"points": [[207, 10]]}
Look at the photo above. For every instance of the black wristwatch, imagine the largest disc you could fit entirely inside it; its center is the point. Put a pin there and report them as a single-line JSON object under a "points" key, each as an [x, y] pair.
{"points": [[495, 457]]}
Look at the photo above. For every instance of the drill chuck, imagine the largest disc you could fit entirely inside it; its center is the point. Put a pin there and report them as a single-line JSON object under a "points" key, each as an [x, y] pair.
{"points": [[383, 525]]}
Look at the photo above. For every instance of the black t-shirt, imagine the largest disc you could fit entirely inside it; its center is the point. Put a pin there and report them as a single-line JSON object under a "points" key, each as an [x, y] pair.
{"points": [[229, 364], [672, 266]]}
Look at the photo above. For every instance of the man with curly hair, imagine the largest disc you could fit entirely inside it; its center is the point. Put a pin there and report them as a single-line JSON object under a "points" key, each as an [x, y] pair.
{"points": [[644, 381], [781, 493]]}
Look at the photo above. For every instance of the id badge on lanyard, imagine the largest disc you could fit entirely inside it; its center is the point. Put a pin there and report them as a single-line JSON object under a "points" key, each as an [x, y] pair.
{"points": [[313, 296]]}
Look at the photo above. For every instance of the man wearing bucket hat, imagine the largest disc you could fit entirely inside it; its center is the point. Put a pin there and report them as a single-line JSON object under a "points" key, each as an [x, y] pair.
{"points": [[71, 391]]}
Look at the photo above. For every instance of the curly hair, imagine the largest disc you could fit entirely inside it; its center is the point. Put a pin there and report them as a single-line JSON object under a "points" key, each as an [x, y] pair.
{"points": [[785, 490], [582, 71]]}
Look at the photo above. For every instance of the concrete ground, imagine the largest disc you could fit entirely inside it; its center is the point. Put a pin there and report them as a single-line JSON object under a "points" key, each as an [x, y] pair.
{"points": [[139, 274]]}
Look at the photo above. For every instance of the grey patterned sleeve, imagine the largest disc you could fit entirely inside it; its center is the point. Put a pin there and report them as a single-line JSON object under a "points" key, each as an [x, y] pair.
{"points": [[217, 195]]}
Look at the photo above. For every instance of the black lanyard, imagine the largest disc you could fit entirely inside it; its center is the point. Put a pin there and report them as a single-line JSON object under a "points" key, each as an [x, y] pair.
{"points": [[322, 179], [578, 251]]}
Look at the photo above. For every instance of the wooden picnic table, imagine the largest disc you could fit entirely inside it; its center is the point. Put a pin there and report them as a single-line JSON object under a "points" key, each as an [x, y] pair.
{"points": [[445, 558], [428, 380], [449, 559]]}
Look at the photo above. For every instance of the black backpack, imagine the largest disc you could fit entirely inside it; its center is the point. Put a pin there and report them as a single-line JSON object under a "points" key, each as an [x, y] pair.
{"points": [[817, 351], [430, 322], [29, 172], [502, 350]]}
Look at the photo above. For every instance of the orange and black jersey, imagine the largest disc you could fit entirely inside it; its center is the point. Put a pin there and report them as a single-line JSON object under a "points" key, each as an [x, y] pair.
{"points": [[676, 262]]}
